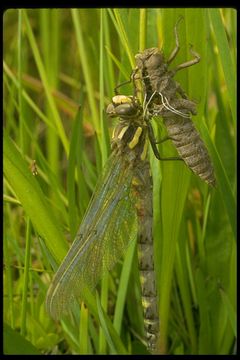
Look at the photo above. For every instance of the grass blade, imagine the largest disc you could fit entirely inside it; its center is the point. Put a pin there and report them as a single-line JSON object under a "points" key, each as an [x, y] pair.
{"points": [[33, 200], [225, 55]]}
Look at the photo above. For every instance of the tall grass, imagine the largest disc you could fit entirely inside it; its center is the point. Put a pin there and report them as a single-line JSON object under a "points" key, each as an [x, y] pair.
{"points": [[60, 71]]}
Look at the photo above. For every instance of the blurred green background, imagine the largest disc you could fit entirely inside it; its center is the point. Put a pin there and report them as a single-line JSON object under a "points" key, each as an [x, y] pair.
{"points": [[60, 69]]}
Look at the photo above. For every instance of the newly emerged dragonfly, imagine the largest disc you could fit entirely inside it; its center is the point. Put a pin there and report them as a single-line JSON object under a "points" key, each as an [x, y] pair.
{"points": [[120, 210], [166, 98]]}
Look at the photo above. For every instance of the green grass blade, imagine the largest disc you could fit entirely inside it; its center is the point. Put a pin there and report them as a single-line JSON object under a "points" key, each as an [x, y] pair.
{"points": [[86, 69], [119, 64], [142, 29], [222, 180], [110, 82], [21, 345], [26, 278], [114, 342], [225, 54], [8, 278], [32, 199], [175, 176], [74, 146], [26, 97], [105, 328], [230, 311], [102, 345], [123, 286], [83, 330], [20, 47], [206, 345], [104, 144], [45, 82], [117, 20], [185, 296]]}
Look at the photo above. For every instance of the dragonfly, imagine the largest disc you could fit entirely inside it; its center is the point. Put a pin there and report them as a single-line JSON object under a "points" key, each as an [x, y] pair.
{"points": [[120, 210], [166, 98]]}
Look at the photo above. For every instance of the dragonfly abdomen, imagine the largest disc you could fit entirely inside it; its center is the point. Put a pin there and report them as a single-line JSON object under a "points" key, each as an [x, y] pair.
{"points": [[142, 186], [149, 294]]}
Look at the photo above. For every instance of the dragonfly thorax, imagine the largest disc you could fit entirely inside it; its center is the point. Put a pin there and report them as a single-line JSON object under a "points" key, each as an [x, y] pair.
{"points": [[131, 140]]}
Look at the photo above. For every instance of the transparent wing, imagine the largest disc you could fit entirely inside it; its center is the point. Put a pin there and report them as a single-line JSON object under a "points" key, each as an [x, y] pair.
{"points": [[108, 227]]}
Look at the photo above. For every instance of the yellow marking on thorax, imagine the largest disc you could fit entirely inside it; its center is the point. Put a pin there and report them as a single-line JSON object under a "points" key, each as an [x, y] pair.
{"points": [[122, 132], [113, 133], [135, 139], [144, 152]]}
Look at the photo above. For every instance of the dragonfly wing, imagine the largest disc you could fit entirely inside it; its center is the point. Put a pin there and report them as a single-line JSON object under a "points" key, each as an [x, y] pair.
{"points": [[108, 227]]}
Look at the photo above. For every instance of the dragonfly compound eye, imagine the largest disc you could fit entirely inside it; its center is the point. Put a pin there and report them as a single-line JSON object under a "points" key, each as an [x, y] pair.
{"points": [[111, 110], [126, 110], [123, 106], [121, 110]]}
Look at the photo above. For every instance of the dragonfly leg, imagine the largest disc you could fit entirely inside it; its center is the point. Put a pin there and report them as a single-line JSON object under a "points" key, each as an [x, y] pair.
{"points": [[159, 157], [194, 61], [163, 139], [131, 79], [133, 74], [172, 158], [154, 147], [177, 46], [120, 85]]}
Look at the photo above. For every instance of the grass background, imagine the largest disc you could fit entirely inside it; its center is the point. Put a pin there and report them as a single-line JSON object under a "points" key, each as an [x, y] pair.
{"points": [[60, 69]]}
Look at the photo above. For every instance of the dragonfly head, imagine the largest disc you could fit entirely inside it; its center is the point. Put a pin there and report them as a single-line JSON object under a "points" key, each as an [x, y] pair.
{"points": [[151, 59], [123, 106]]}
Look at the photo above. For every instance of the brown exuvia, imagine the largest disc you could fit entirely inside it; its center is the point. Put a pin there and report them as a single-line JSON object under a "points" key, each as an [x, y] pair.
{"points": [[165, 97]]}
